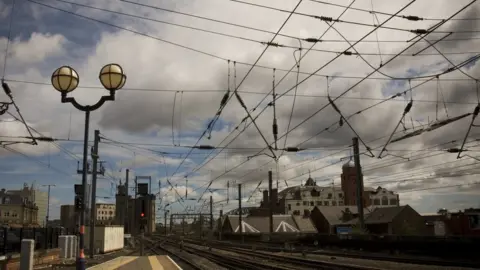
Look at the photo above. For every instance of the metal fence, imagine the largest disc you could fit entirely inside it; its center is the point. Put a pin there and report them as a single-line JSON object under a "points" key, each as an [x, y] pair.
{"points": [[45, 238]]}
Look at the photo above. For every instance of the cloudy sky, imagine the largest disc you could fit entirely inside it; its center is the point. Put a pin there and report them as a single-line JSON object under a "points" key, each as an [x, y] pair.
{"points": [[182, 57]]}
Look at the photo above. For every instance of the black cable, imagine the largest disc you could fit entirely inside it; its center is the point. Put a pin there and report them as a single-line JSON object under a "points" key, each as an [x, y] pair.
{"points": [[291, 95], [438, 25], [294, 96], [439, 187], [68, 152], [173, 118], [407, 17], [325, 32], [129, 30], [324, 18], [230, 35], [248, 73], [35, 160], [9, 36]]}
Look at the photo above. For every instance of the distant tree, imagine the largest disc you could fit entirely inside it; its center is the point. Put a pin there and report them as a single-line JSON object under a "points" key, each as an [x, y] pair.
{"points": [[442, 211]]}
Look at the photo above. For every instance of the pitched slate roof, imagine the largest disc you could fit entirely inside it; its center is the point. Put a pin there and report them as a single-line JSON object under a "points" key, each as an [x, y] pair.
{"points": [[304, 224], [384, 214], [335, 214]]}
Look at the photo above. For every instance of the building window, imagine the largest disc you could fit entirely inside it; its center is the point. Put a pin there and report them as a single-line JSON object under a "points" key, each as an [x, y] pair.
{"points": [[311, 203], [6, 214], [334, 203], [289, 207], [340, 195], [340, 203], [14, 214], [298, 204], [319, 202], [305, 203], [7, 200], [384, 200], [326, 203], [393, 201], [329, 195], [376, 202]]}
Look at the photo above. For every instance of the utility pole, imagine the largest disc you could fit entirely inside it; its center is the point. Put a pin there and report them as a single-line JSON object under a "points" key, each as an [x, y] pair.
{"points": [[165, 225], [48, 204], [240, 227], [220, 227], [356, 156], [93, 210], [270, 205], [126, 221], [211, 213]]}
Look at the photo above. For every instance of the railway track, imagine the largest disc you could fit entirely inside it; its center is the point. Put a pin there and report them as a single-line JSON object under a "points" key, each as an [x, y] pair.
{"points": [[355, 255], [157, 248], [234, 258]]}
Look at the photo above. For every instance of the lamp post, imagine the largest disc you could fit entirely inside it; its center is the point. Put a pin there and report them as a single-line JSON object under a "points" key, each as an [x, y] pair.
{"points": [[65, 79]]}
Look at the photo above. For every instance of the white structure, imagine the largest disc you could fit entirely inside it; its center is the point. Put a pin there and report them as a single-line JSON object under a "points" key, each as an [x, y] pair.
{"points": [[107, 238], [300, 200], [105, 212], [382, 197]]}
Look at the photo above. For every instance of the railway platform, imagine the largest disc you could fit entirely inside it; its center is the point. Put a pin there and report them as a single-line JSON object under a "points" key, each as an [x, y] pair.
{"points": [[162, 262]]}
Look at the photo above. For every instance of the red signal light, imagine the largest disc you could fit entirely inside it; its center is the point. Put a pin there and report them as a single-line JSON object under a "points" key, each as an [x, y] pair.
{"points": [[142, 214]]}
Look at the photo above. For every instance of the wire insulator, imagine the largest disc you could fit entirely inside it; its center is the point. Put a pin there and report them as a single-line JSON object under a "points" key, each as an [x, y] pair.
{"points": [[476, 111], [275, 128], [205, 147], [240, 100], [6, 88], [313, 40], [224, 99], [325, 19], [455, 150], [419, 31], [273, 44], [347, 53], [292, 149], [408, 108], [413, 18]]}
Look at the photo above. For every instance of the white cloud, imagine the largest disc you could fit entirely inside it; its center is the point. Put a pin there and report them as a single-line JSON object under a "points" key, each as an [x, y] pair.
{"points": [[155, 65]]}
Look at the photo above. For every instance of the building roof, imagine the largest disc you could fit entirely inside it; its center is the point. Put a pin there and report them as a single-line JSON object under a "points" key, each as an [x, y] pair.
{"points": [[292, 190], [335, 215], [383, 214], [304, 224], [260, 224]]}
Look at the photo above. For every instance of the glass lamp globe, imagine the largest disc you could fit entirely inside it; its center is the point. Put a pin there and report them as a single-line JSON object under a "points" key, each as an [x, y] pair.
{"points": [[112, 77], [65, 79]]}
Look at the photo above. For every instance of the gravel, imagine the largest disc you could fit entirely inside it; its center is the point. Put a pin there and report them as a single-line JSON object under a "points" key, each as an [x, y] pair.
{"points": [[372, 263]]}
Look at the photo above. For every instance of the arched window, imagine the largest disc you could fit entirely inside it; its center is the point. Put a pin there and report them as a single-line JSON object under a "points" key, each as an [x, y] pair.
{"points": [[384, 200]]}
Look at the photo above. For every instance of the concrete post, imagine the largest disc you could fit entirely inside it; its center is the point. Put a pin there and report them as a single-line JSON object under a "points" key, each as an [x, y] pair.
{"points": [[71, 246], [26, 255], [75, 245], [63, 245]]}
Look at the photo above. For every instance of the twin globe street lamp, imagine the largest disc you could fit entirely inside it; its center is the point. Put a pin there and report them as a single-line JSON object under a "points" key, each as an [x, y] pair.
{"points": [[65, 79]]}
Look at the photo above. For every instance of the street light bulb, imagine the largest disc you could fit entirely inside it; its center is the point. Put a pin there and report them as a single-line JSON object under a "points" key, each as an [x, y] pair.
{"points": [[65, 79], [112, 77]]}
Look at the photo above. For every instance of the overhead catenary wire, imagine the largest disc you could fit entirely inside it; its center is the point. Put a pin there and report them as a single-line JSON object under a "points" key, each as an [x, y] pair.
{"points": [[329, 19], [451, 69], [8, 148], [9, 36], [321, 36], [407, 17], [240, 37], [237, 95]]}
